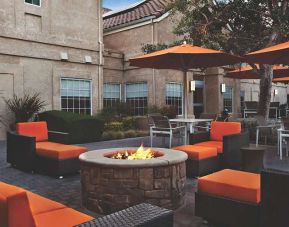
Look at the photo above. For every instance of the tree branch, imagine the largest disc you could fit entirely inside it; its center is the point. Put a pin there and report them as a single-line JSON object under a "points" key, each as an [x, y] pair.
{"points": [[284, 7], [270, 7]]}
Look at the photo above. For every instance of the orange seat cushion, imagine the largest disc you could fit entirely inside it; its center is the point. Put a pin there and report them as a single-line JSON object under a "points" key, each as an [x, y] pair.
{"points": [[198, 152], [39, 204], [215, 144], [58, 151], [221, 129], [61, 218], [35, 129], [6, 190], [3, 211], [232, 184]]}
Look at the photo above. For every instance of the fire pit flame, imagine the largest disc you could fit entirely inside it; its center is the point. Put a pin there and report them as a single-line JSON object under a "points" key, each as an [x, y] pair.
{"points": [[140, 154]]}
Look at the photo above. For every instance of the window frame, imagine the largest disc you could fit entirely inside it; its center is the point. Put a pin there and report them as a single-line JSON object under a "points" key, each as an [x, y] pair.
{"points": [[31, 4], [77, 79], [182, 95], [232, 98], [147, 97]]}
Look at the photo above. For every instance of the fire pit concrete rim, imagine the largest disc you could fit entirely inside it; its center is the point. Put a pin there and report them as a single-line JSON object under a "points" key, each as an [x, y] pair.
{"points": [[97, 157]]}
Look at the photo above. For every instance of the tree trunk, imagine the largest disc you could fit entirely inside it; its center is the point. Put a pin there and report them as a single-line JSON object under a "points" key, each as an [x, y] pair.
{"points": [[266, 74]]}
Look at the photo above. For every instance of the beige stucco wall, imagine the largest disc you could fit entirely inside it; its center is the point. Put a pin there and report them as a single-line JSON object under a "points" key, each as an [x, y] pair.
{"points": [[252, 91], [129, 42], [32, 39]]}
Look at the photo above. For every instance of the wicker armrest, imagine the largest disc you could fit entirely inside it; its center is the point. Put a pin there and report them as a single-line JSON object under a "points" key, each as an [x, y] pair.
{"points": [[199, 137], [58, 137], [20, 147], [232, 144]]}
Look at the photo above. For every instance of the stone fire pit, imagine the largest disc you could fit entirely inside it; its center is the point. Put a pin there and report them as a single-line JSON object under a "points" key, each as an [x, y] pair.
{"points": [[110, 185]]}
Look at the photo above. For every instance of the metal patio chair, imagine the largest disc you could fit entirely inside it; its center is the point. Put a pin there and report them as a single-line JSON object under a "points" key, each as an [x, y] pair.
{"points": [[161, 126], [250, 108]]}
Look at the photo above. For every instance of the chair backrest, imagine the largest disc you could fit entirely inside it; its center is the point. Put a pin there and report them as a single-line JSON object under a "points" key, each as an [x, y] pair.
{"points": [[35, 129], [285, 123], [160, 121], [274, 198], [220, 129], [275, 104], [251, 105]]}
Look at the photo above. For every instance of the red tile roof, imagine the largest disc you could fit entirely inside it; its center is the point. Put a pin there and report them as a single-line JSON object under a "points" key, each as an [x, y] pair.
{"points": [[105, 10], [136, 12]]}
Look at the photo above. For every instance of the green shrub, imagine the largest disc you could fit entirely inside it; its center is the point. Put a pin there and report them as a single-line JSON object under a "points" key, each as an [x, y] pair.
{"points": [[106, 135], [81, 128], [170, 111], [130, 134], [118, 110], [142, 133], [117, 135], [154, 109], [113, 126], [129, 123], [142, 123]]}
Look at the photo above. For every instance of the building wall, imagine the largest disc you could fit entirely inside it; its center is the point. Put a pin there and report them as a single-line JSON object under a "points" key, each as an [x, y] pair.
{"points": [[32, 39], [252, 91], [130, 43]]}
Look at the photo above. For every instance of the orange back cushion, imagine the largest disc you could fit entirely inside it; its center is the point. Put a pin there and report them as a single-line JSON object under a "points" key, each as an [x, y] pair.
{"points": [[19, 212], [6, 190], [35, 129], [220, 129]]}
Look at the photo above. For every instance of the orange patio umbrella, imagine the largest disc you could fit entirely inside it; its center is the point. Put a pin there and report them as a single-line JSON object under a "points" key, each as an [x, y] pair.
{"points": [[185, 57], [248, 73], [278, 54], [281, 80]]}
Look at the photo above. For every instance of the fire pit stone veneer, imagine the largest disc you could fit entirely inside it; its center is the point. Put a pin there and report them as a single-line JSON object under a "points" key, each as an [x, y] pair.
{"points": [[110, 185]]}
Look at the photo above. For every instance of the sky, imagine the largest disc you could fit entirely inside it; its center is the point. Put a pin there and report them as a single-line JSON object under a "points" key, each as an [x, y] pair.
{"points": [[116, 4]]}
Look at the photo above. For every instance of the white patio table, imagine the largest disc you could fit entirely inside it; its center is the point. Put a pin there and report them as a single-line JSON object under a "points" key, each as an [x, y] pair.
{"points": [[190, 122]]}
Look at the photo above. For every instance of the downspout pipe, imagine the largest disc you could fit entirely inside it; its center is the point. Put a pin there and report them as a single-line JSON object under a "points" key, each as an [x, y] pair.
{"points": [[101, 52]]}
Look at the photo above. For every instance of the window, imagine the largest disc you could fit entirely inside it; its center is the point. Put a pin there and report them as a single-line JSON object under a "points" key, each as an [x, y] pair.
{"points": [[137, 97], [228, 99], [111, 94], [174, 96], [198, 101], [34, 2], [76, 96], [242, 100]]}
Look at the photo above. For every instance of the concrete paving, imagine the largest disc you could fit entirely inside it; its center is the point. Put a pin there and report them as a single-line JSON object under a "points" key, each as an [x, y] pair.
{"points": [[67, 190]]}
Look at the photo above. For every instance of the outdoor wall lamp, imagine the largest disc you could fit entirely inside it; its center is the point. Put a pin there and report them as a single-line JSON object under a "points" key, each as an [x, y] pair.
{"points": [[192, 85], [223, 88], [275, 92], [64, 56]]}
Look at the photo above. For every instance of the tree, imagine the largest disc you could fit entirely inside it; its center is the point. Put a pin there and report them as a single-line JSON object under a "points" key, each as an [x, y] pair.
{"points": [[237, 27]]}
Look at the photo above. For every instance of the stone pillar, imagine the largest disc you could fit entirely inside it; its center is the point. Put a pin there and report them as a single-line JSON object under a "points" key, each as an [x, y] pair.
{"points": [[190, 96], [213, 99]]}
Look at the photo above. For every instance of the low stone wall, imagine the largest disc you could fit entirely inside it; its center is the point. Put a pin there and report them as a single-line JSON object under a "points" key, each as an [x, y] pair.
{"points": [[109, 189]]}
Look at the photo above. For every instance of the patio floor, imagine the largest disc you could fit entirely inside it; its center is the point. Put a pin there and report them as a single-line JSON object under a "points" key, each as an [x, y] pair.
{"points": [[67, 190]]}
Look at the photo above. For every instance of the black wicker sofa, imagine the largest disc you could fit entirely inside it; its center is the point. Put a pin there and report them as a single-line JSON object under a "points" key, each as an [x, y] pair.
{"points": [[270, 208], [33, 148]]}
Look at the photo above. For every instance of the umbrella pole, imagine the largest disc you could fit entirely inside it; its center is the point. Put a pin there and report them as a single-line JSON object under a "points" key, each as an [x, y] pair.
{"points": [[185, 91]]}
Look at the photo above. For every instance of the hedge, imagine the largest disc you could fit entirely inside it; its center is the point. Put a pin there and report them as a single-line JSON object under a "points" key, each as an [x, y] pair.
{"points": [[81, 128]]}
